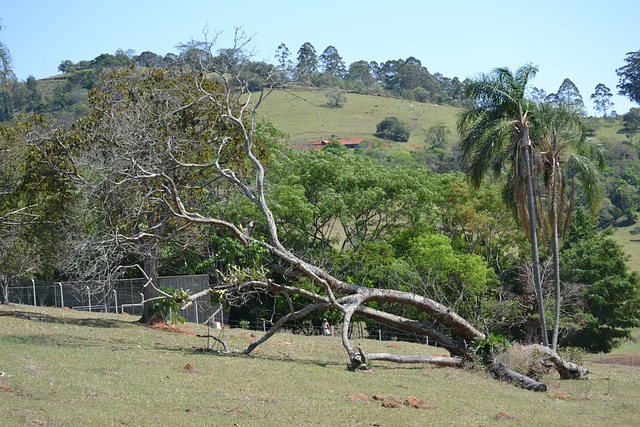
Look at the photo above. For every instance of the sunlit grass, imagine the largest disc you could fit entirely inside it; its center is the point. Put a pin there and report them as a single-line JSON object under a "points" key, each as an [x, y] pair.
{"points": [[629, 238], [72, 368], [305, 116]]}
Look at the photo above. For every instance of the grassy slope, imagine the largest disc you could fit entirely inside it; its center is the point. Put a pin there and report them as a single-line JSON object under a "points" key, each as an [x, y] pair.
{"points": [[629, 242], [74, 368], [305, 117]]}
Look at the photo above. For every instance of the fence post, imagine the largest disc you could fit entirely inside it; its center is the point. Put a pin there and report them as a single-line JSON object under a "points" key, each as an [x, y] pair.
{"points": [[33, 287], [379, 335], [115, 299], [61, 295], [89, 295]]}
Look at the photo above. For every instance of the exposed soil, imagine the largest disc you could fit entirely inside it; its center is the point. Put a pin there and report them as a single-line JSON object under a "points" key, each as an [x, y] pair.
{"points": [[632, 359], [392, 401], [629, 360], [163, 325], [5, 387]]}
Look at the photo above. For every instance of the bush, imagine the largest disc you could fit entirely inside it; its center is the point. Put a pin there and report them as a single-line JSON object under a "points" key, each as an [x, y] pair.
{"points": [[394, 129], [336, 98]]}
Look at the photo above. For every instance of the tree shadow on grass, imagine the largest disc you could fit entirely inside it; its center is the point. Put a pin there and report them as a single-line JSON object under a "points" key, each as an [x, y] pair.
{"points": [[45, 340], [85, 321]]}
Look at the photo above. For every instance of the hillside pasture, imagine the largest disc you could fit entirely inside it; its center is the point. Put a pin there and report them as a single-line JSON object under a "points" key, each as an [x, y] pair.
{"points": [[305, 116], [63, 367], [629, 238]]}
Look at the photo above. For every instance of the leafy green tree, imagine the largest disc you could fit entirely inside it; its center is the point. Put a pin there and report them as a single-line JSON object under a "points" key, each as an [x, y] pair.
{"points": [[284, 64], [6, 105], [602, 99], [452, 88], [475, 220], [148, 59], [568, 94], [307, 64], [343, 199], [35, 202], [631, 123], [331, 62], [625, 197], [495, 131], [629, 74], [437, 135], [336, 97], [361, 77], [394, 129], [158, 122], [457, 279], [538, 95], [611, 293]]}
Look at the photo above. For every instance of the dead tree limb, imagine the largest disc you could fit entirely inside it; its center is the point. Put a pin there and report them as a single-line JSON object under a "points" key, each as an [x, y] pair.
{"points": [[567, 370], [454, 362], [507, 374]]}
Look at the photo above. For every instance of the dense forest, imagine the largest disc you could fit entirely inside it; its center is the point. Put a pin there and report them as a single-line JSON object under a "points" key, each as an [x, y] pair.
{"points": [[86, 189]]}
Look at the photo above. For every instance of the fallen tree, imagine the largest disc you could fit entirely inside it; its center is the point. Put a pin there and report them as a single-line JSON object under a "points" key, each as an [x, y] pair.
{"points": [[236, 138]]}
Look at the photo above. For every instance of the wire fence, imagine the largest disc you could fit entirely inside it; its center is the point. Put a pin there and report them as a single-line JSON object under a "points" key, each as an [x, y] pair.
{"points": [[357, 330], [123, 296]]}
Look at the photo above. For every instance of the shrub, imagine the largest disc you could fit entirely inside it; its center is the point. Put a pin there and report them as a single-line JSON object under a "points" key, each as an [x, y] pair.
{"points": [[394, 129]]}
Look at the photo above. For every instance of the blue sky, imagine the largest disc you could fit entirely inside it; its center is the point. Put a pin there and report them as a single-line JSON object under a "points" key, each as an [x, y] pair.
{"points": [[582, 40]]}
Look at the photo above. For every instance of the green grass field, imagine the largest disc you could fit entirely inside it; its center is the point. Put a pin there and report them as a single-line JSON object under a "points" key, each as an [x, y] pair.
{"points": [[629, 238], [68, 368], [305, 116]]}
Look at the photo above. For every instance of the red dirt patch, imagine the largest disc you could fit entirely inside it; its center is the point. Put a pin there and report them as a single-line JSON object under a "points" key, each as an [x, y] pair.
{"points": [[392, 402], [394, 345], [164, 326], [504, 415], [360, 397], [561, 395], [414, 402], [6, 387], [189, 367]]}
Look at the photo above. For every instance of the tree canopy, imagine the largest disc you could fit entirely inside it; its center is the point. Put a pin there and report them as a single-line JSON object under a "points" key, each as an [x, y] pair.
{"points": [[629, 74]]}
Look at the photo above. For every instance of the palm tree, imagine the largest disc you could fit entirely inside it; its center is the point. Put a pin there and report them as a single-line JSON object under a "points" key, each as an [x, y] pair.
{"points": [[495, 132], [557, 153]]}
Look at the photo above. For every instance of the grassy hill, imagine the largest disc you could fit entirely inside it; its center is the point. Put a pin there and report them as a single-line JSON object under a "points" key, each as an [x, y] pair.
{"points": [[306, 117], [63, 367], [629, 238]]}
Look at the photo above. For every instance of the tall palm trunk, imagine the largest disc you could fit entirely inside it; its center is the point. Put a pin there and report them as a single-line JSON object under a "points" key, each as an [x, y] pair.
{"points": [[533, 236], [556, 261], [555, 247]]}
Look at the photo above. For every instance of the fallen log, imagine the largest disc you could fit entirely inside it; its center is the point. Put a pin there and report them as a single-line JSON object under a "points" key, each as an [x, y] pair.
{"points": [[454, 362], [504, 373]]}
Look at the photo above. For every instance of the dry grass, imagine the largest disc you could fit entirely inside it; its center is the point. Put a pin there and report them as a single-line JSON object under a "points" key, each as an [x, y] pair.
{"points": [[73, 368]]}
